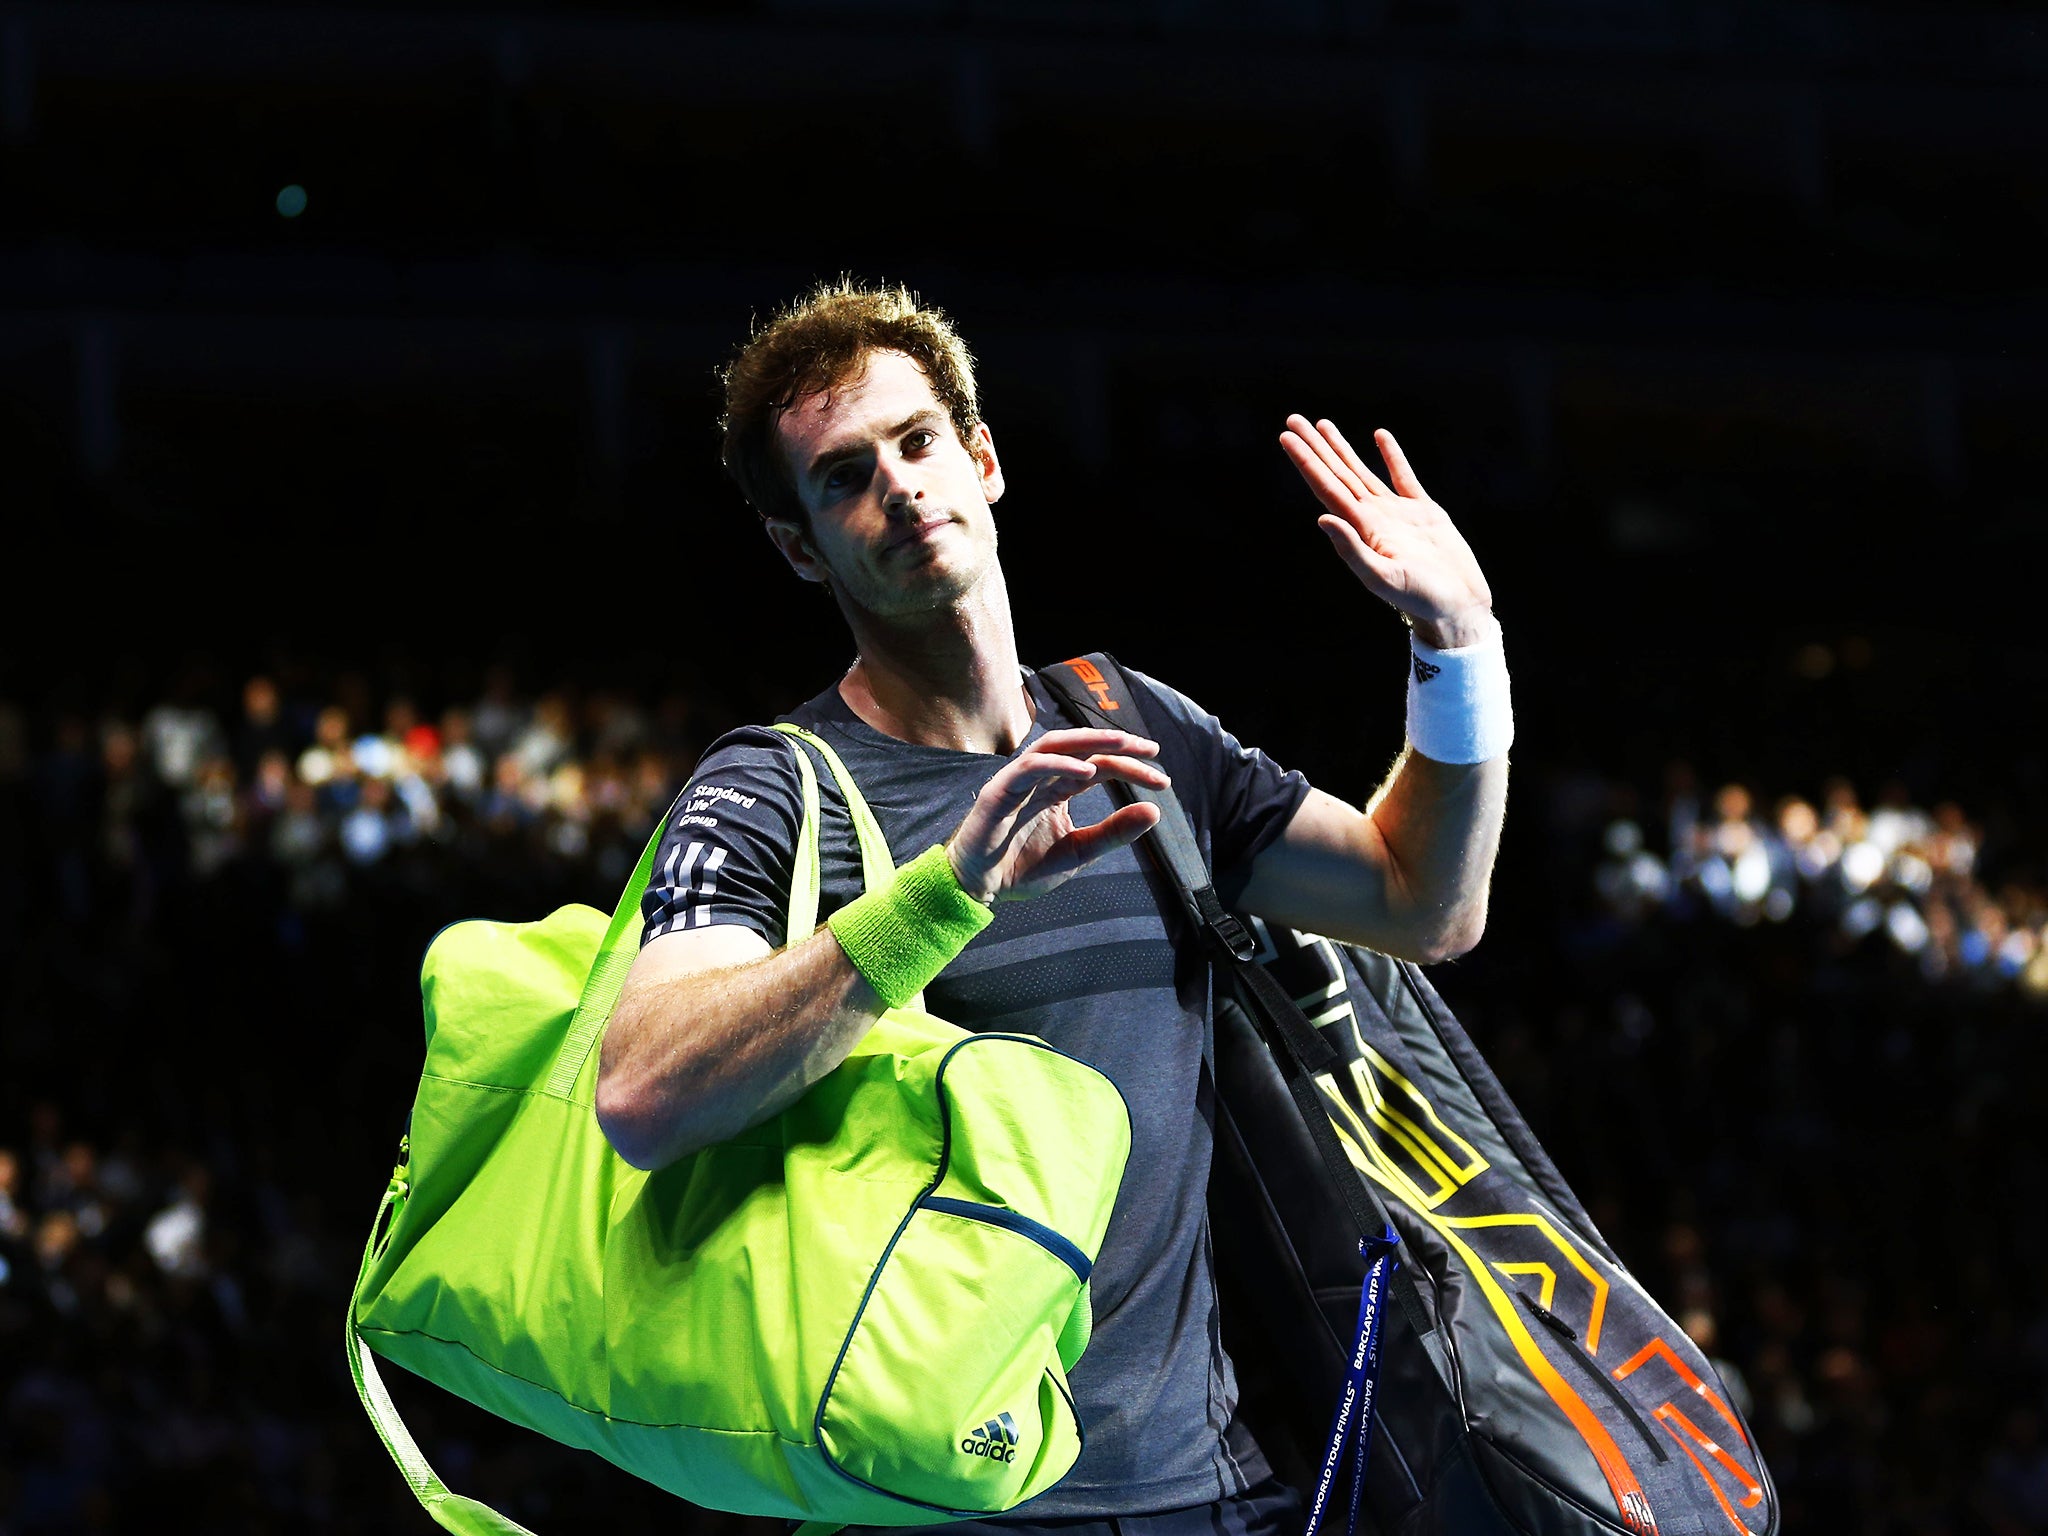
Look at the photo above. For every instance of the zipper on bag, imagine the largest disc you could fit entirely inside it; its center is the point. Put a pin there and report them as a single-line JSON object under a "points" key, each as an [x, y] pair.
{"points": [[1024, 1226], [1570, 1335]]}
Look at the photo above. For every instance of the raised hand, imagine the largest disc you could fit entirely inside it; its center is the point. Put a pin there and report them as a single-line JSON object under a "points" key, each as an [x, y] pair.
{"points": [[1400, 543], [1019, 839]]}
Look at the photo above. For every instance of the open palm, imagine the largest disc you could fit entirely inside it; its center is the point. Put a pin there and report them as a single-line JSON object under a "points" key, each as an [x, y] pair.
{"points": [[1401, 544]]}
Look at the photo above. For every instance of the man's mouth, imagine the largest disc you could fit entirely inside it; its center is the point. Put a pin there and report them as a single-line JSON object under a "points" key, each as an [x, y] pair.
{"points": [[920, 533]]}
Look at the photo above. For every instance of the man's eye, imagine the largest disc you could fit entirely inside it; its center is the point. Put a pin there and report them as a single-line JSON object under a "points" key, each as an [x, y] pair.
{"points": [[923, 437]]}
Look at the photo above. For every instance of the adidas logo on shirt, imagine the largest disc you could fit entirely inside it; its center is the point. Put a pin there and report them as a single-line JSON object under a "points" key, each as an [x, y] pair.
{"points": [[997, 1439]]}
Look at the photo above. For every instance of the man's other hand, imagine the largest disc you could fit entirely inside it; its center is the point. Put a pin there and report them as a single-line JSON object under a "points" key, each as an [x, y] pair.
{"points": [[1020, 840]]}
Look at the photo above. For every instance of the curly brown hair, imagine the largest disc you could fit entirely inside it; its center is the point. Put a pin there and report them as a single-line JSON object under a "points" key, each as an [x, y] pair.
{"points": [[815, 344]]}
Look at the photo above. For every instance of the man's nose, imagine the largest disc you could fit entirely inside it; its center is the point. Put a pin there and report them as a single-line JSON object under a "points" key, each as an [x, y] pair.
{"points": [[899, 485]]}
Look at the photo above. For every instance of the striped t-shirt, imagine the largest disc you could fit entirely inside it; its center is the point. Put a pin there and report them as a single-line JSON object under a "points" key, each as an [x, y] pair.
{"points": [[1090, 967]]}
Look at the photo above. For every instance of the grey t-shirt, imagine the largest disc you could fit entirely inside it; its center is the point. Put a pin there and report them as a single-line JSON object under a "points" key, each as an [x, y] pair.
{"points": [[1093, 968]]}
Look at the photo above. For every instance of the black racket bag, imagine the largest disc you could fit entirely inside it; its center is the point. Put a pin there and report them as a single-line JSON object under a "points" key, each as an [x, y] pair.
{"points": [[1526, 1383]]}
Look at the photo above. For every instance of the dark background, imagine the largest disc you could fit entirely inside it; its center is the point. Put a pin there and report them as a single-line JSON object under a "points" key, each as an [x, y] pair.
{"points": [[1718, 327]]}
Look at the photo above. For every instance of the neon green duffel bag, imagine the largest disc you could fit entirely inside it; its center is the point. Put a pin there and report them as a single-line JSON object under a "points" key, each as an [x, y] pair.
{"points": [[860, 1311]]}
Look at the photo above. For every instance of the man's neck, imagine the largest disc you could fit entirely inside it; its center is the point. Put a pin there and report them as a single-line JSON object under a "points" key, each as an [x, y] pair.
{"points": [[943, 679]]}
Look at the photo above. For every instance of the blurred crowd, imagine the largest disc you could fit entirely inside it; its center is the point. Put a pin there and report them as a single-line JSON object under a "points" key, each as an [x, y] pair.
{"points": [[324, 784], [1892, 868], [126, 1310]]}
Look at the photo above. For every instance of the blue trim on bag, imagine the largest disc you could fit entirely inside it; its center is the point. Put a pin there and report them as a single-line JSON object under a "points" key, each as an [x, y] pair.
{"points": [[1009, 1220], [938, 1178]]}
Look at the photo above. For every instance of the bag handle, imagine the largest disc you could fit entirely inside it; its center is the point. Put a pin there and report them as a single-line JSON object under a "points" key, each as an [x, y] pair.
{"points": [[877, 868], [451, 1511], [802, 920], [608, 974]]}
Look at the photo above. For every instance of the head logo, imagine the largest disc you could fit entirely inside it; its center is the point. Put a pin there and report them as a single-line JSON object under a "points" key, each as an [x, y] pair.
{"points": [[997, 1439], [1096, 683]]}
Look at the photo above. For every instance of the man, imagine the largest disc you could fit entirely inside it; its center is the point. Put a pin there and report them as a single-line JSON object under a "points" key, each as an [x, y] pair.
{"points": [[853, 429]]}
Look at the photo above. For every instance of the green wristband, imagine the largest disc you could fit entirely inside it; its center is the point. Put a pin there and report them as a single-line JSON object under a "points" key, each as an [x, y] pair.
{"points": [[901, 937]]}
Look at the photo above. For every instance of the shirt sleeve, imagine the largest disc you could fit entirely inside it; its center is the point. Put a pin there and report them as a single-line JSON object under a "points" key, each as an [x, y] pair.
{"points": [[730, 845], [1248, 798]]}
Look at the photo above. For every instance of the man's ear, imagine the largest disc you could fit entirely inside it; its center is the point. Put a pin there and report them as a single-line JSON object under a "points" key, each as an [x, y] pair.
{"points": [[983, 447], [793, 542]]}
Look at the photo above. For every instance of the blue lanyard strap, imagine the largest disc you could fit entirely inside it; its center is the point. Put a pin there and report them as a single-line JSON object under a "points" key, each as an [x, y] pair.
{"points": [[1361, 1381]]}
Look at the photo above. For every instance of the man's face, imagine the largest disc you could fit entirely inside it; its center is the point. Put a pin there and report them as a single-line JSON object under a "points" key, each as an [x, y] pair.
{"points": [[900, 519]]}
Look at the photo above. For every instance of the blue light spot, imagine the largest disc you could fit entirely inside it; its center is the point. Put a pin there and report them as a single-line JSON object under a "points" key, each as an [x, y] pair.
{"points": [[291, 202]]}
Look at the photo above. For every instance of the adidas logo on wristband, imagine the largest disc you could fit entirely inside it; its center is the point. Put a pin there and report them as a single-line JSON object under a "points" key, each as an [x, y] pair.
{"points": [[1459, 710]]}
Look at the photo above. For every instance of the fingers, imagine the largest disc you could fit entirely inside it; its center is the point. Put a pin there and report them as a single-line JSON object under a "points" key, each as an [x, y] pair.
{"points": [[1084, 845], [1350, 456], [1084, 740], [1033, 785], [1019, 820], [1397, 464], [1058, 756], [1313, 439], [1016, 780], [1038, 782], [1119, 829], [1334, 492], [1131, 770], [1322, 445]]}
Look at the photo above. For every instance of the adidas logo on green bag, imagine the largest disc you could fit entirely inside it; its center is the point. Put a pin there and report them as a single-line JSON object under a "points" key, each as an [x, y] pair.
{"points": [[997, 1439]]}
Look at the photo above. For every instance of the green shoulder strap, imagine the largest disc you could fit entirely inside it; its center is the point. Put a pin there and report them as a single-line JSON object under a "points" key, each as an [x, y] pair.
{"points": [[877, 868], [803, 876], [614, 958]]}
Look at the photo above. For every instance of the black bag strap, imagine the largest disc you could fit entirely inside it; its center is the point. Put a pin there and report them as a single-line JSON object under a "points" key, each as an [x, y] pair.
{"points": [[1095, 688]]}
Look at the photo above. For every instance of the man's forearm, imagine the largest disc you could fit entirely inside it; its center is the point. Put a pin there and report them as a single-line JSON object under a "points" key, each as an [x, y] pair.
{"points": [[695, 1059], [1440, 824]]}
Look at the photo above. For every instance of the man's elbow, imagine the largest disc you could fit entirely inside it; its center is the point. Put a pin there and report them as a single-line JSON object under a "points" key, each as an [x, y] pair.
{"points": [[624, 1118], [1458, 934]]}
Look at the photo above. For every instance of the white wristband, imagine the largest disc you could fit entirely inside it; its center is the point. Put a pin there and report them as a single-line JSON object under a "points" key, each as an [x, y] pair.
{"points": [[1458, 705]]}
